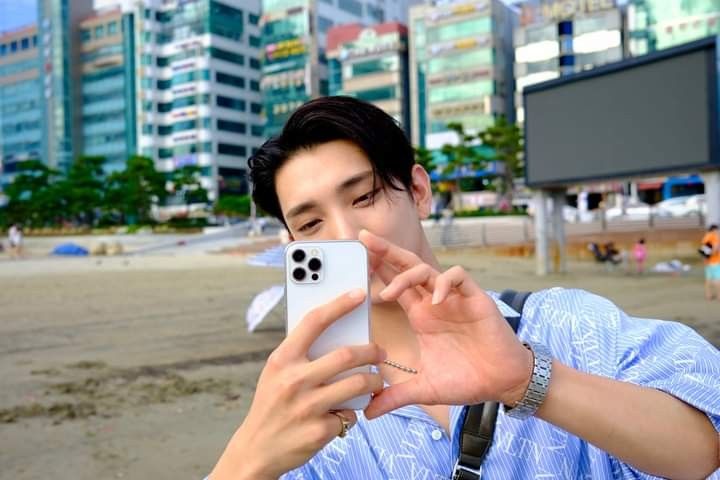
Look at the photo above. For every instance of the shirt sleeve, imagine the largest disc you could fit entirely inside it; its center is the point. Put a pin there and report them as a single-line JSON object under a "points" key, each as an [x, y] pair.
{"points": [[593, 335]]}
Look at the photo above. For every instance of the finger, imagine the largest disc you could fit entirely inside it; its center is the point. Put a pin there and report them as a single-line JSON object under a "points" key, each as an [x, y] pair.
{"points": [[454, 278], [319, 319], [393, 397], [335, 423], [347, 388], [406, 299], [422, 275], [399, 258], [341, 360]]}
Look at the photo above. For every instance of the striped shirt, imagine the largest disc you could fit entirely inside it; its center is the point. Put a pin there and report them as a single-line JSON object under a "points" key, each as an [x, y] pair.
{"points": [[584, 331]]}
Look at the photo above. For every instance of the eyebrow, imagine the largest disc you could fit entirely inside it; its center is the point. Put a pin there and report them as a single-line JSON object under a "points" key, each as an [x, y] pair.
{"points": [[345, 185]]}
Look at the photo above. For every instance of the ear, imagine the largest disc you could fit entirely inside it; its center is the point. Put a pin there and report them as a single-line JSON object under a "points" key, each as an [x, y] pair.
{"points": [[421, 191]]}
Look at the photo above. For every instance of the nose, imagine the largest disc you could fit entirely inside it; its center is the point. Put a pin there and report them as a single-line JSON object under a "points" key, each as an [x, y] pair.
{"points": [[344, 227]]}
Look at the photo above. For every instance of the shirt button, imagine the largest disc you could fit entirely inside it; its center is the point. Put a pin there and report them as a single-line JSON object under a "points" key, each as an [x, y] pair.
{"points": [[436, 434]]}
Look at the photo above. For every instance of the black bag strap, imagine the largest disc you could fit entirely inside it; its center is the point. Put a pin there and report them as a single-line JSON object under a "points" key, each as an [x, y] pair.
{"points": [[479, 425]]}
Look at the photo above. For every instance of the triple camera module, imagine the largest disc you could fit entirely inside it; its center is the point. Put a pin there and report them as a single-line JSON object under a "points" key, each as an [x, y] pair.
{"points": [[307, 265]]}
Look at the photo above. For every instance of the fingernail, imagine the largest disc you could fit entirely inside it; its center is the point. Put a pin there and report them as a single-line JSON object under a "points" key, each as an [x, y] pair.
{"points": [[383, 293], [435, 298], [357, 294]]}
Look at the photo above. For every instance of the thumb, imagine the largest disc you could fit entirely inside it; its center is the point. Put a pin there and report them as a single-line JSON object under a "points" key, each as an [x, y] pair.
{"points": [[393, 397]]}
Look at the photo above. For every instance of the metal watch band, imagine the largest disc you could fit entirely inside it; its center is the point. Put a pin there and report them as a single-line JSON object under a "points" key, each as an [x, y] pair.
{"points": [[539, 383]]}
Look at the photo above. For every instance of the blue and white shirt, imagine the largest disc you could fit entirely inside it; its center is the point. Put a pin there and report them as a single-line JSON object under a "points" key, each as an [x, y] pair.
{"points": [[584, 331]]}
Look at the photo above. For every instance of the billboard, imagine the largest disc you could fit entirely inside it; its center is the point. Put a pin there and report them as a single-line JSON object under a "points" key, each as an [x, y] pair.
{"points": [[650, 115]]}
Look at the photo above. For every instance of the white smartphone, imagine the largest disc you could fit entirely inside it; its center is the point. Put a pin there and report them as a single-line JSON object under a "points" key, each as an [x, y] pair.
{"points": [[318, 272]]}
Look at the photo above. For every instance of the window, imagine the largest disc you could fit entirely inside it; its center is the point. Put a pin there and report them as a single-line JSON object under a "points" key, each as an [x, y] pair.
{"points": [[112, 28], [456, 30], [100, 31], [232, 103], [464, 91], [375, 94], [182, 126], [190, 77], [164, 107], [253, 19], [162, 61], [221, 54], [24, 43], [230, 126], [13, 46], [460, 61], [190, 100], [230, 149], [147, 129], [164, 84], [256, 130], [3, 49], [163, 17], [165, 152], [255, 107], [254, 85], [228, 79], [254, 41], [255, 64], [165, 130], [351, 6], [387, 64], [147, 106]]}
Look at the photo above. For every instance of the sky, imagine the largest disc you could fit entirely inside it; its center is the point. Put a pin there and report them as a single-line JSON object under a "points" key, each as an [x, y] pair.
{"points": [[17, 13]]}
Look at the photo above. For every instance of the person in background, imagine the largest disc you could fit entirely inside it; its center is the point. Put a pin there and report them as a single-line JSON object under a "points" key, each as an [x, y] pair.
{"points": [[640, 254], [15, 239], [711, 240]]}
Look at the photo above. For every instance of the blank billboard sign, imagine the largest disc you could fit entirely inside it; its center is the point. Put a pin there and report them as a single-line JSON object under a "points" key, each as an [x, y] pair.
{"points": [[641, 117]]}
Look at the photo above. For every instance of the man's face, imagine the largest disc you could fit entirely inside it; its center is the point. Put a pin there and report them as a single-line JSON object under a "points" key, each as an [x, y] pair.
{"points": [[327, 193]]}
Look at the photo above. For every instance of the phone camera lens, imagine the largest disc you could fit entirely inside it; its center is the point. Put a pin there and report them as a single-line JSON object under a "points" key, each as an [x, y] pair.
{"points": [[299, 274], [315, 276], [314, 264], [298, 255]]}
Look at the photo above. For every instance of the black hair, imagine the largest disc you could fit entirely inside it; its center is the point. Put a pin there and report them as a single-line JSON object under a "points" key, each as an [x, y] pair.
{"points": [[325, 120], [712, 227]]}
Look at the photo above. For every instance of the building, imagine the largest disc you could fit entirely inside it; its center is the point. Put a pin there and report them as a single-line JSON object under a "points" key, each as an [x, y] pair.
{"points": [[371, 63], [460, 67], [657, 24], [20, 100], [199, 93], [562, 37], [108, 90], [58, 42], [294, 57]]}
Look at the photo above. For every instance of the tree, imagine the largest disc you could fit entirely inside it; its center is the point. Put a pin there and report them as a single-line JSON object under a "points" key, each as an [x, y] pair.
{"points": [[506, 142], [33, 196], [83, 189], [133, 191], [461, 155], [424, 158], [186, 183]]}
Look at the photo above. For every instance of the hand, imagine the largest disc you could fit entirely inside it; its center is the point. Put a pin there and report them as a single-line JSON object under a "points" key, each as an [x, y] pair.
{"points": [[289, 420], [468, 352]]}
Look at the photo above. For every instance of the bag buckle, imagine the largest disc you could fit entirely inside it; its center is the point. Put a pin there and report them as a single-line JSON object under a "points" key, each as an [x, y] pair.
{"points": [[458, 470]]}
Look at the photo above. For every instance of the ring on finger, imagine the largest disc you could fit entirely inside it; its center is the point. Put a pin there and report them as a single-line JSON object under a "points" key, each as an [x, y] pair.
{"points": [[345, 423]]}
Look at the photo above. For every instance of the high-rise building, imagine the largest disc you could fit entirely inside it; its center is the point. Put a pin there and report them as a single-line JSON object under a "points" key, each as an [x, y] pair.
{"points": [[561, 37], [294, 59], [371, 63], [657, 24], [461, 67], [108, 89], [199, 100], [20, 100], [58, 41]]}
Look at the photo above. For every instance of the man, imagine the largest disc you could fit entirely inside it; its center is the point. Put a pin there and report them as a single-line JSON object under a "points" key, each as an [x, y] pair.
{"points": [[626, 397], [712, 263]]}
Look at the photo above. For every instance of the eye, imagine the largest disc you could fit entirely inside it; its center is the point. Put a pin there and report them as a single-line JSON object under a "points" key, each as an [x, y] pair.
{"points": [[308, 226], [366, 199]]}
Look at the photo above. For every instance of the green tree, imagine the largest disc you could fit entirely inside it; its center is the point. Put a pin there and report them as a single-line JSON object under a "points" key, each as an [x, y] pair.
{"points": [[506, 144], [424, 158], [461, 155], [233, 205], [186, 184], [33, 196], [83, 189], [133, 191]]}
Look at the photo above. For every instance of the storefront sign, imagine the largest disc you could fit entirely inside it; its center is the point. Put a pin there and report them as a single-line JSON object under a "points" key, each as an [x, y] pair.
{"points": [[562, 10]]}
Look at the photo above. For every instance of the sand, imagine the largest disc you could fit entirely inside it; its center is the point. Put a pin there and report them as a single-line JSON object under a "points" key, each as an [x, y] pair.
{"points": [[141, 367]]}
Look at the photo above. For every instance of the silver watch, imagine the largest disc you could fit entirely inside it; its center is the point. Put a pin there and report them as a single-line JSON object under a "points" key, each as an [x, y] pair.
{"points": [[539, 383]]}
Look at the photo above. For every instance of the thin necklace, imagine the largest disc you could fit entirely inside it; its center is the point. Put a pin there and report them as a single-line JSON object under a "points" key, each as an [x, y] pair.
{"points": [[400, 367]]}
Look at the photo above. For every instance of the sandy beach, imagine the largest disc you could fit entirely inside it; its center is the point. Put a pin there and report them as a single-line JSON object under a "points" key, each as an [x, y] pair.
{"points": [[141, 367]]}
